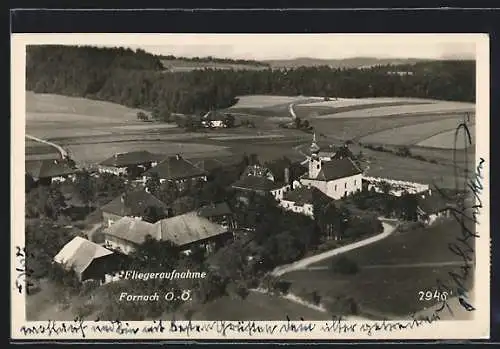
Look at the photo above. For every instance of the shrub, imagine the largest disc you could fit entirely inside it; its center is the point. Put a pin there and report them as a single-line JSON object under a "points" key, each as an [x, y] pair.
{"points": [[344, 265], [342, 305], [315, 298], [282, 286]]}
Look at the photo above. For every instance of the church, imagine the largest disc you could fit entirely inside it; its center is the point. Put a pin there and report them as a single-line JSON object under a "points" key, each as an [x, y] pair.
{"points": [[336, 177]]}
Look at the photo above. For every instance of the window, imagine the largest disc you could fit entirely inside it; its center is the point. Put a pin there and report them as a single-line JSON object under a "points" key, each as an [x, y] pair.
{"points": [[354, 182], [345, 185], [317, 166], [335, 187]]}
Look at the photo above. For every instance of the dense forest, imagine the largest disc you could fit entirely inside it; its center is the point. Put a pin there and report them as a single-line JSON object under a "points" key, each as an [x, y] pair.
{"points": [[210, 59], [137, 79]]}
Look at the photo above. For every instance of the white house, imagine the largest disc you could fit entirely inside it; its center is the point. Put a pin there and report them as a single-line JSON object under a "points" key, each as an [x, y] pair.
{"points": [[301, 200], [335, 177]]}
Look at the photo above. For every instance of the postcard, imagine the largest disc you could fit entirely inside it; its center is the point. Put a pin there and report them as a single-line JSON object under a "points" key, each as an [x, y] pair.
{"points": [[250, 186]]}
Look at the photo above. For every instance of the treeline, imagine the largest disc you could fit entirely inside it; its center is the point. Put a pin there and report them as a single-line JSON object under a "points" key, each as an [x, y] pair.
{"points": [[210, 59], [137, 80]]}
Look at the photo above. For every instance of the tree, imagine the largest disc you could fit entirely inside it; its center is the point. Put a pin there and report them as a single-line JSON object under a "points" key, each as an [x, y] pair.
{"points": [[142, 116], [229, 120], [408, 205], [86, 187], [153, 214], [153, 184], [155, 255]]}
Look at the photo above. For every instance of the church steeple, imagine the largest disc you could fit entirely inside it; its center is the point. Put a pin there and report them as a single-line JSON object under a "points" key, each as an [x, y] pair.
{"points": [[314, 148]]}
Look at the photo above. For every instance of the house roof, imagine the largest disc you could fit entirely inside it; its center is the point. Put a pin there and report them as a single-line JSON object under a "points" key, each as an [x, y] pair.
{"points": [[304, 195], [131, 158], [131, 229], [48, 168], [338, 168], [175, 167], [133, 203], [186, 228], [214, 210], [432, 204], [255, 183], [79, 253], [209, 164], [214, 115]]}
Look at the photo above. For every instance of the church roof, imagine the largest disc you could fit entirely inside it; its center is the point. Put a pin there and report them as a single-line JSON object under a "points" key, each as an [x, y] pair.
{"points": [[338, 168]]}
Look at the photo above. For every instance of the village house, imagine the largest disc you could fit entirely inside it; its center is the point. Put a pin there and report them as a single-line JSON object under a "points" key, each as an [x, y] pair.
{"points": [[185, 231], [301, 199], [121, 164], [260, 180], [336, 178], [394, 187], [50, 170], [213, 119], [88, 260], [219, 213], [133, 204], [177, 170], [431, 207]]}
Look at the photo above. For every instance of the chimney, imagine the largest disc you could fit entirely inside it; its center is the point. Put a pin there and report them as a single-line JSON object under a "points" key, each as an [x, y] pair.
{"points": [[178, 156], [287, 175]]}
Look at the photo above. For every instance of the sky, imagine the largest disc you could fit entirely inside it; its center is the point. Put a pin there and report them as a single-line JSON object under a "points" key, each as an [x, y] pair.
{"points": [[263, 47], [283, 46]]}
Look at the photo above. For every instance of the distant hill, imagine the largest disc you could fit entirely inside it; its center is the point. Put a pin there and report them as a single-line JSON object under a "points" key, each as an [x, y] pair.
{"points": [[355, 62], [184, 64]]}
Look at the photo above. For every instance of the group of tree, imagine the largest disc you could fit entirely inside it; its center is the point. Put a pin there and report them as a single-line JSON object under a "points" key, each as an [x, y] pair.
{"points": [[210, 59], [403, 207], [136, 79]]}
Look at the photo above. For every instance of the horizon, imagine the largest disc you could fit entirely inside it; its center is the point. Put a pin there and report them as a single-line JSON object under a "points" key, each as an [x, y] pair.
{"points": [[263, 47]]}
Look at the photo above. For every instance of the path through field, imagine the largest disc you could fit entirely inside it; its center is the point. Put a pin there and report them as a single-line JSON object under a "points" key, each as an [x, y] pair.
{"points": [[61, 150], [388, 229]]}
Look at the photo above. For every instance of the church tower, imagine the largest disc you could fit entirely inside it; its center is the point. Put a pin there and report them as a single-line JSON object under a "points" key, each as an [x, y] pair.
{"points": [[314, 161]]}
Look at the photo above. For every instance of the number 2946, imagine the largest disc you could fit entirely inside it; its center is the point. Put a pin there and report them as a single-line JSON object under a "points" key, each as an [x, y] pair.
{"points": [[429, 295]]}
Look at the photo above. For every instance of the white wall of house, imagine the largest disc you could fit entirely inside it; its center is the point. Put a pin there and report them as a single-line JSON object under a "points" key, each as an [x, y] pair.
{"points": [[279, 192], [112, 243], [306, 209], [118, 171], [336, 189]]}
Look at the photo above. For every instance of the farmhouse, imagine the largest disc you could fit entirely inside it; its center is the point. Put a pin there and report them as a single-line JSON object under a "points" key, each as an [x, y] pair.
{"points": [[213, 119], [178, 171], [50, 170], [336, 178], [126, 234], [190, 230], [260, 180], [210, 164], [134, 162], [431, 207], [219, 213], [301, 200], [185, 231], [88, 260], [133, 204]]}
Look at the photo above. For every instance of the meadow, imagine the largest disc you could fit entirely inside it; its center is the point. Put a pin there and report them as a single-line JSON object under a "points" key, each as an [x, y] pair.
{"points": [[391, 271]]}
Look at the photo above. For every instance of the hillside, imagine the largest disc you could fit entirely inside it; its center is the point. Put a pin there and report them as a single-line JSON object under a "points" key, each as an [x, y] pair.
{"points": [[347, 63], [137, 79]]}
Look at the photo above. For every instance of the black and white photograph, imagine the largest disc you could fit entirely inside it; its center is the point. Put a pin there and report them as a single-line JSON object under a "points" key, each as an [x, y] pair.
{"points": [[309, 180]]}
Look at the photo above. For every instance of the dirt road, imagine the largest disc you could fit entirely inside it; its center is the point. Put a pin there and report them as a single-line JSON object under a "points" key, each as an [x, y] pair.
{"points": [[305, 262]]}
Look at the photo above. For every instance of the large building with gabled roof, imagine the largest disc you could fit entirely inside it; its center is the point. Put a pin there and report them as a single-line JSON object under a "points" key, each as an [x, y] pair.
{"points": [[121, 163], [336, 177]]}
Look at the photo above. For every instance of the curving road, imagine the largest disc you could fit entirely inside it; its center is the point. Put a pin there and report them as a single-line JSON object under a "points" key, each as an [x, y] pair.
{"points": [[305, 262], [61, 150]]}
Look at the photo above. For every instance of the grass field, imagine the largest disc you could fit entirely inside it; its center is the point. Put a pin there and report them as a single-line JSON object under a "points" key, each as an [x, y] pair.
{"points": [[392, 271], [447, 139], [412, 134], [179, 65]]}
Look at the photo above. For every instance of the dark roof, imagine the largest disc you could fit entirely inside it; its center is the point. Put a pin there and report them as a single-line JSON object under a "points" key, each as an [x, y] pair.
{"points": [[212, 163], [48, 168], [214, 115], [335, 169], [255, 183], [214, 210], [432, 203], [176, 167], [132, 158], [133, 203], [304, 195]]}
